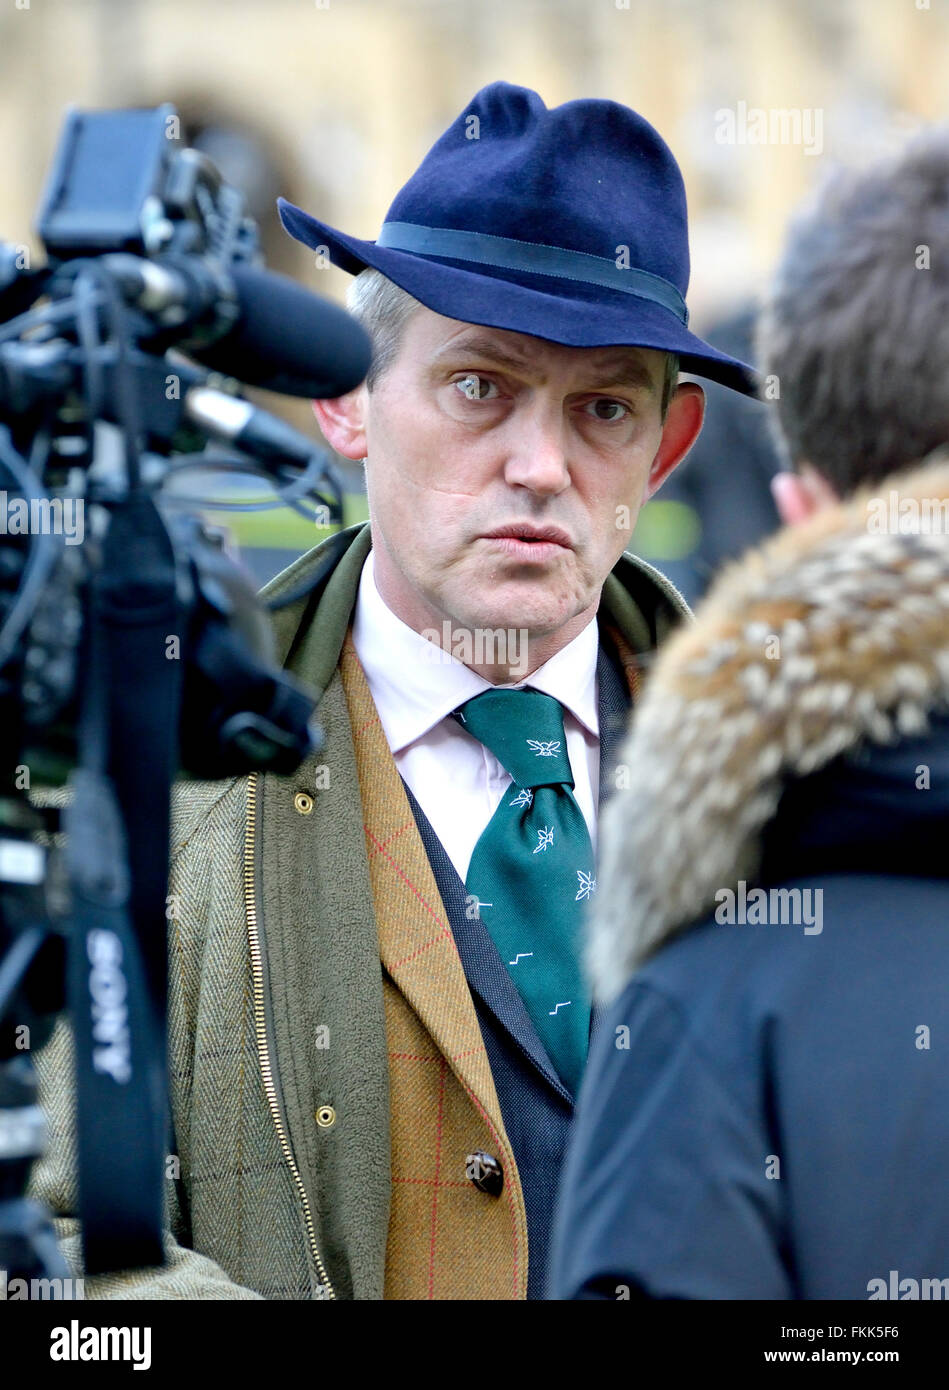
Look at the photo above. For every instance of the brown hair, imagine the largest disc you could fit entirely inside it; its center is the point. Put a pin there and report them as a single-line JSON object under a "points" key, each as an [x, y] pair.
{"points": [[855, 328]]}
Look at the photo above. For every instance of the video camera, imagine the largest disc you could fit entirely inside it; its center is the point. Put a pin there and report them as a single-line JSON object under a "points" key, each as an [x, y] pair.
{"points": [[133, 650]]}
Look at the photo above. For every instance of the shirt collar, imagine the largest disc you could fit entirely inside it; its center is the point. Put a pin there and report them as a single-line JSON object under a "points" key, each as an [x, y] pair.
{"points": [[416, 684]]}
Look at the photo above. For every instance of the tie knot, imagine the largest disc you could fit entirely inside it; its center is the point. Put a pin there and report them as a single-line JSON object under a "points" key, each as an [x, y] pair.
{"points": [[524, 730]]}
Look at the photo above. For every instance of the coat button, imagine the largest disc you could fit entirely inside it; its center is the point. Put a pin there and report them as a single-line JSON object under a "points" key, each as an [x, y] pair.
{"points": [[485, 1172], [303, 803], [325, 1116]]}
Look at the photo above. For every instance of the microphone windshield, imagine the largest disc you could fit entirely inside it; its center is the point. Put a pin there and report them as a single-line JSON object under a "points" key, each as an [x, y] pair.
{"points": [[288, 339]]}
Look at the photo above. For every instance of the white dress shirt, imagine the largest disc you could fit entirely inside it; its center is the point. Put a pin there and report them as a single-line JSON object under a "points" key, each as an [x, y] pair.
{"points": [[415, 685]]}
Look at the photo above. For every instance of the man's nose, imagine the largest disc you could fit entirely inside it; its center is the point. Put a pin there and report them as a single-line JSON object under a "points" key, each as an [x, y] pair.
{"points": [[537, 452]]}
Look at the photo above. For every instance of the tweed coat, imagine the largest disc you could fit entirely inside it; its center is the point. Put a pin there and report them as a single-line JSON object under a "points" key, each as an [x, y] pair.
{"points": [[311, 972]]}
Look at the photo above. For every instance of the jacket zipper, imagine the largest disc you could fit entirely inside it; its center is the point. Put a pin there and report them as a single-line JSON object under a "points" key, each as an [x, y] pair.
{"points": [[263, 1048]]}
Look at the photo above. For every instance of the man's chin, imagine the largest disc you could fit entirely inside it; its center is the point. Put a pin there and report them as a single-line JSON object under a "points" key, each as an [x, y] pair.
{"points": [[539, 613]]}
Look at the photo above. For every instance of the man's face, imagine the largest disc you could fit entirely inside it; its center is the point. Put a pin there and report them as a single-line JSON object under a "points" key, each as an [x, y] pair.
{"points": [[476, 430]]}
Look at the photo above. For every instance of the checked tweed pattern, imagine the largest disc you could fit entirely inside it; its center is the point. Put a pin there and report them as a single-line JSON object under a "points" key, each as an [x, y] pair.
{"points": [[533, 869]]}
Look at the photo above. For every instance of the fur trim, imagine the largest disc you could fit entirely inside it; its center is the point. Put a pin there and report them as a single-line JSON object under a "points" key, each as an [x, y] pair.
{"points": [[728, 713]]}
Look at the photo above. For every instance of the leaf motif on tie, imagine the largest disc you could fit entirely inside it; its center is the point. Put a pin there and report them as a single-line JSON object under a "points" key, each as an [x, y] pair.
{"points": [[544, 748]]}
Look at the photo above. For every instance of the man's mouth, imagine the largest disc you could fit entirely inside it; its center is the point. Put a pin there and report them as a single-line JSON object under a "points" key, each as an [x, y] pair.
{"points": [[524, 539]]}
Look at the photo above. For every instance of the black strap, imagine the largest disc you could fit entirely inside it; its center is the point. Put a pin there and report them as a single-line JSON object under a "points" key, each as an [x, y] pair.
{"points": [[118, 846]]}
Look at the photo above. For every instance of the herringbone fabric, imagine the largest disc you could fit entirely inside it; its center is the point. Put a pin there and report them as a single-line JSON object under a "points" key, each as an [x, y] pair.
{"points": [[240, 1190], [446, 1239]]}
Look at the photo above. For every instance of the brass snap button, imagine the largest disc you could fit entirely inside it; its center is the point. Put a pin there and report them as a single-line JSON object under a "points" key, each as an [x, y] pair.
{"points": [[325, 1116], [303, 803]]}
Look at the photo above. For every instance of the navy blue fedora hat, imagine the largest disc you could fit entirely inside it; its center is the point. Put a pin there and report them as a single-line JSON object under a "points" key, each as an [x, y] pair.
{"points": [[568, 224]]}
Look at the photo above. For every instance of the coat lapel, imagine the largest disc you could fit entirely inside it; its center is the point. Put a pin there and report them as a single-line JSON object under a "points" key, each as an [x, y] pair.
{"points": [[484, 969], [416, 944]]}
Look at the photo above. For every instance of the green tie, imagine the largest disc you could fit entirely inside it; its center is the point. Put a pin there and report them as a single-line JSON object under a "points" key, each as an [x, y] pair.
{"points": [[532, 870]]}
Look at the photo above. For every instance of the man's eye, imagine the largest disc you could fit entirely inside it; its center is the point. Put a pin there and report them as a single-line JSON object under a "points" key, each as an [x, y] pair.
{"points": [[610, 405], [471, 387]]}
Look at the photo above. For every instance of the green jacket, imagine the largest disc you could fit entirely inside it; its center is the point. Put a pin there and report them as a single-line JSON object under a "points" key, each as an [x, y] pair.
{"points": [[275, 999]]}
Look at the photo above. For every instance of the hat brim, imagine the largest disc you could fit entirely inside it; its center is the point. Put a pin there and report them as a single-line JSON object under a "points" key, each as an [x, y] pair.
{"points": [[523, 302]]}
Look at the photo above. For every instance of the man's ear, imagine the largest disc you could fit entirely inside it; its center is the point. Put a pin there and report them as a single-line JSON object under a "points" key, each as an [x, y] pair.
{"points": [[799, 495], [342, 420], [680, 430]]}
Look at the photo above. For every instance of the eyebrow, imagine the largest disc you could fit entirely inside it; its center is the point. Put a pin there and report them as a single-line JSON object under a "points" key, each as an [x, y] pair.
{"points": [[625, 370]]}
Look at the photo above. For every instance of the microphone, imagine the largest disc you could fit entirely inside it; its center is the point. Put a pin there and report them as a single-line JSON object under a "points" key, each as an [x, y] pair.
{"points": [[278, 336], [288, 340], [247, 427]]}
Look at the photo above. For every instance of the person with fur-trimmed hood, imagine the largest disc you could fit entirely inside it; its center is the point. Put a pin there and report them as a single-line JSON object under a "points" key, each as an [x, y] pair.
{"points": [[765, 1113]]}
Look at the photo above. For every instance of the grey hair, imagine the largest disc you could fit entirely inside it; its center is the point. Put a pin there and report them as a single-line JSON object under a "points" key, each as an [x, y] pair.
{"points": [[384, 309], [855, 327]]}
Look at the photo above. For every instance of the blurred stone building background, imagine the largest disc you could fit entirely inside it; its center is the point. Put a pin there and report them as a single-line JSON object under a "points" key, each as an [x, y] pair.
{"points": [[333, 103]]}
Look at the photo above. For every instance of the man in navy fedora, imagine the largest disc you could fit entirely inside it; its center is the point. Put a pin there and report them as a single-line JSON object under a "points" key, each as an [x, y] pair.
{"points": [[379, 1018]]}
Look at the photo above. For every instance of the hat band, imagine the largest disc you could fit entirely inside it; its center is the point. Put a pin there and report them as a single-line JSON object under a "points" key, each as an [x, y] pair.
{"points": [[508, 253]]}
